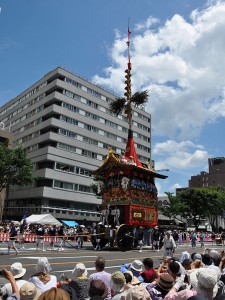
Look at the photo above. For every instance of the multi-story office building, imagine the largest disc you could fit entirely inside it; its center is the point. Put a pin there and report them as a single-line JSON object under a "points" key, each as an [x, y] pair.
{"points": [[5, 135], [65, 124], [215, 176]]}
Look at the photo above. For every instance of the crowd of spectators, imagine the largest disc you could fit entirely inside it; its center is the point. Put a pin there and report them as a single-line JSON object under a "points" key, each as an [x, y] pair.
{"points": [[191, 276]]}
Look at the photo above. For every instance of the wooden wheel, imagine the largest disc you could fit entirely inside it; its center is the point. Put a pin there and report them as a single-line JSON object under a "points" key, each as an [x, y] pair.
{"points": [[125, 239]]}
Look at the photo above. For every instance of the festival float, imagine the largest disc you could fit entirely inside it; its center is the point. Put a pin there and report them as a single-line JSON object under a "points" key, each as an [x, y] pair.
{"points": [[126, 185]]}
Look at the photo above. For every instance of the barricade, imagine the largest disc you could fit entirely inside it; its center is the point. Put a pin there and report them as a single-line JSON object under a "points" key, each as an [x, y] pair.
{"points": [[28, 238]]}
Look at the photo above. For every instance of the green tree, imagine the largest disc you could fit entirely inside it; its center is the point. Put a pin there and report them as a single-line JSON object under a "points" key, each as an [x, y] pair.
{"points": [[216, 204], [15, 167], [175, 208], [197, 204]]}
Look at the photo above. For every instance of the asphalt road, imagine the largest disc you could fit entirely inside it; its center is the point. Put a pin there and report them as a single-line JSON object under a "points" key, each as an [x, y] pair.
{"points": [[65, 261]]}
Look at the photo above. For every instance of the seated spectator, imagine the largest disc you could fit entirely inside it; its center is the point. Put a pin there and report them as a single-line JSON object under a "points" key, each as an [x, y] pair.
{"points": [[215, 257], [28, 291], [54, 294], [97, 290], [184, 255], [15, 291], [163, 285], [42, 279], [187, 263], [204, 283], [118, 282], [197, 264], [197, 256], [18, 272], [70, 291], [208, 262], [134, 280], [174, 269], [149, 274], [137, 292], [80, 282], [102, 275], [135, 267]]}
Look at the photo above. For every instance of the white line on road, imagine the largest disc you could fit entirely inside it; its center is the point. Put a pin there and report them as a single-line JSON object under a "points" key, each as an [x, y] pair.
{"points": [[51, 257]]}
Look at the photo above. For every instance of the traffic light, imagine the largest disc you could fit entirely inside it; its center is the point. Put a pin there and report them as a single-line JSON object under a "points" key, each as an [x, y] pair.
{"points": [[128, 83]]}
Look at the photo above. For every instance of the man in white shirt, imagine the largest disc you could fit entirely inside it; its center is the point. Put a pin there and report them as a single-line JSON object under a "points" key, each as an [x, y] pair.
{"points": [[102, 275], [169, 244]]}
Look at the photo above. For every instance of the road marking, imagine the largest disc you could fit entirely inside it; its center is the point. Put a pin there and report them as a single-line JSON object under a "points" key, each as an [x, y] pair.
{"points": [[53, 257]]}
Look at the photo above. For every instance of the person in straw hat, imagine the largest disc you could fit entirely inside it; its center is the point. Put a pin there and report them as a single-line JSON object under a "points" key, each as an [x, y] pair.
{"points": [[28, 291], [118, 285], [136, 267], [80, 281]]}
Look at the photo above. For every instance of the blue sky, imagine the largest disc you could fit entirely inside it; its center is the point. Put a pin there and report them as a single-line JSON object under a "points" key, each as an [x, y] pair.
{"points": [[177, 52]]}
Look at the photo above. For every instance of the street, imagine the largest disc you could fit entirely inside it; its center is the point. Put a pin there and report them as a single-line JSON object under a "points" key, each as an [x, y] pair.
{"points": [[63, 262]]}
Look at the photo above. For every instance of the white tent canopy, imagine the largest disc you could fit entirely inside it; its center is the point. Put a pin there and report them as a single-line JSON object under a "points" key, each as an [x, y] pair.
{"points": [[43, 220]]}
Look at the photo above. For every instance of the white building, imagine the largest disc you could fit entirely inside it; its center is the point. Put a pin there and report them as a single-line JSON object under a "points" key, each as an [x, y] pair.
{"points": [[65, 124]]}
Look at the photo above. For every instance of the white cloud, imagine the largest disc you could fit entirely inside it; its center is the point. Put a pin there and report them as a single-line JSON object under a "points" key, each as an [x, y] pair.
{"points": [[147, 24], [179, 155], [181, 63]]}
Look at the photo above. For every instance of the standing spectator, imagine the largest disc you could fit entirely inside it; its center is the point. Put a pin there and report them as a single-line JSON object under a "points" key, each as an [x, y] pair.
{"points": [[22, 231], [42, 279], [169, 244], [147, 236], [12, 237], [213, 237], [61, 236], [80, 237], [193, 238], [184, 236], [223, 237], [100, 274], [140, 235], [202, 238], [98, 236], [155, 238], [52, 233], [181, 237], [40, 237], [175, 237]]}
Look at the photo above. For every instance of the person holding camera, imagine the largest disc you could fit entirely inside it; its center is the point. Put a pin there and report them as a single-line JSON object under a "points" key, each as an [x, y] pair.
{"points": [[18, 272], [15, 290]]}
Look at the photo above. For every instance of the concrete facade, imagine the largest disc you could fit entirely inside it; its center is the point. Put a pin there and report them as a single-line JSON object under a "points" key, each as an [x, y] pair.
{"points": [[214, 177], [65, 125]]}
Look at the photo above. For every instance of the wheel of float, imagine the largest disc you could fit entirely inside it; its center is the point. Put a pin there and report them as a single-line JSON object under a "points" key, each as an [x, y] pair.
{"points": [[103, 240], [125, 238]]}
